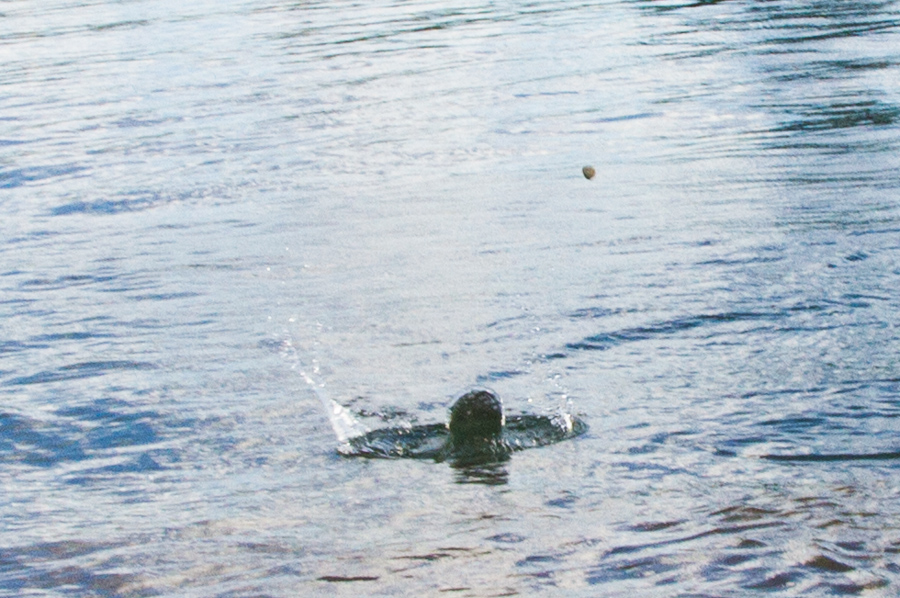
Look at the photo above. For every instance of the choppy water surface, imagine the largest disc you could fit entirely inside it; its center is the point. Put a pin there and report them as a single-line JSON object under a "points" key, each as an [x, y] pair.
{"points": [[217, 217]]}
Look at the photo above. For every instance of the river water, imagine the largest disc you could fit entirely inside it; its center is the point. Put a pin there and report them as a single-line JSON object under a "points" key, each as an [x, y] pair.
{"points": [[217, 217]]}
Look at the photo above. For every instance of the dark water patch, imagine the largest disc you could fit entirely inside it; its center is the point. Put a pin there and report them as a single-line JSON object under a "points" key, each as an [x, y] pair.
{"points": [[143, 464], [65, 281], [487, 474], [590, 313], [782, 392], [826, 19], [832, 457], [36, 443], [388, 414], [68, 336], [852, 546], [10, 179], [779, 581], [106, 206], [751, 544], [275, 345], [504, 321], [866, 299], [76, 371], [673, 5], [726, 530], [829, 564], [651, 445], [537, 559], [878, 177], [566, 501], [627, 117], [17, 346], [120, 25], [59, 566], [507, 538], [749, 563], [536, 567], [740, 261], [647, 470], [417, 343], [499, 375], [875, 231], [143, 324], [419, 26], [132, 122], [744, 513], [737, 443], [841, 115], [442, 553], [647, 567], [430, 557], [833, 31], [347, 578], [122, 431], [100, 428], [655, 526], [794, 424], [733, 560], [165, 296], [600, 342], [30, 237], [833, 69], [51, 551], [855, 589], [138, 200], [77, 578]]}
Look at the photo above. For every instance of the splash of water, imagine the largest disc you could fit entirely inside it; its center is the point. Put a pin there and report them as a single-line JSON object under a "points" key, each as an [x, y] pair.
{"points": [[343, 423]]}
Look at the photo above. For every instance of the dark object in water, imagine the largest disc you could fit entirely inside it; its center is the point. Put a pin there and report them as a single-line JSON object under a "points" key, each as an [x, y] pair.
{"points": [[476, 416], [478, 432], [588, 172]]}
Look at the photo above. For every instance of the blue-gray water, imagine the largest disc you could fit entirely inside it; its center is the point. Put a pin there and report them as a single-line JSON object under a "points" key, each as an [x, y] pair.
{"points": [[217, 216]]}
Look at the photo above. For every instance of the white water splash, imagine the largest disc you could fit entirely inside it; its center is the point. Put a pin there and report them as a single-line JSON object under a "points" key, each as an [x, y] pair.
{"points": [[343, 423]]}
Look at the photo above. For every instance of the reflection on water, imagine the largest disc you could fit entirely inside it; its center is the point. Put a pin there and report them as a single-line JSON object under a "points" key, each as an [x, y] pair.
{"points": [[493, 473], [220, 219]]}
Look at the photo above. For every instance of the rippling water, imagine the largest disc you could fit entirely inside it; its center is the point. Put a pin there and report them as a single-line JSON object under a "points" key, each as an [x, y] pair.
{"points": [[217, 216]]}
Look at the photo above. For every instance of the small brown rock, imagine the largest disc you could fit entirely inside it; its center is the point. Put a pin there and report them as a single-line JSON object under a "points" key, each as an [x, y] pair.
{"points": [[588, 172]]}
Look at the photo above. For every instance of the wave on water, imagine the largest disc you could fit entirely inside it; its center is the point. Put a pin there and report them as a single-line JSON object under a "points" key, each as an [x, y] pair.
{"points": [[825, 458]]}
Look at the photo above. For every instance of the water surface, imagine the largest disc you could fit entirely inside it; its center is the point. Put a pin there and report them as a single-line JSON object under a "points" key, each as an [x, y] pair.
{"points": [[216, 217]]}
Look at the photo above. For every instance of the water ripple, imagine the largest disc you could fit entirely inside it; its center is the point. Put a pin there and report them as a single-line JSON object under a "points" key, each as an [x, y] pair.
{"points": [[10, 179], [397, 187], [77, 371], [604, 341]]}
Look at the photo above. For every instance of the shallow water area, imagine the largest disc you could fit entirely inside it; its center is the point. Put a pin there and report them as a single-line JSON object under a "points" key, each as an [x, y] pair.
{"points": [[218, 220]]}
